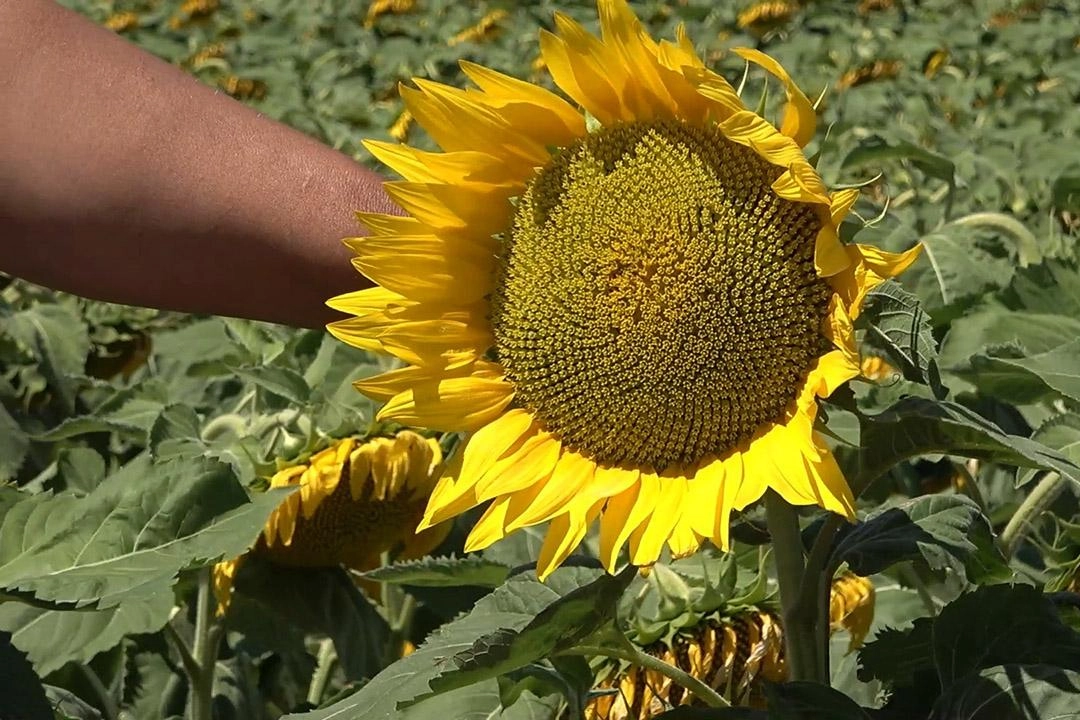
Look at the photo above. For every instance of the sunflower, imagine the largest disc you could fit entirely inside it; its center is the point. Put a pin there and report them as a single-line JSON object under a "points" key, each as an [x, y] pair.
{"points": [[357, 500], [630, 301]]}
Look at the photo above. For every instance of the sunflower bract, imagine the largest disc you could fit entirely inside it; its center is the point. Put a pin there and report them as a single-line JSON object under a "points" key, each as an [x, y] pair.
{"points": [[630, 297]]}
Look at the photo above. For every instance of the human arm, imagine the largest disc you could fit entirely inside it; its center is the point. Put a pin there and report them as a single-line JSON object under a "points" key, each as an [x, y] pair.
{"points": [[124, 179]]}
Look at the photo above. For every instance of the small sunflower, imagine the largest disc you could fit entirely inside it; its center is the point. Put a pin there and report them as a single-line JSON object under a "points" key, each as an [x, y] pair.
{"points": [[357, 500], [631, 303]]}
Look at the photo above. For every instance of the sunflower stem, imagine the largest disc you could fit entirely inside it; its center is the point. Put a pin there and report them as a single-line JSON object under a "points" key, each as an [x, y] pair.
{"points": [[632, 654], [800, 641], [324, 666], [1033, 506], [203, 650]]}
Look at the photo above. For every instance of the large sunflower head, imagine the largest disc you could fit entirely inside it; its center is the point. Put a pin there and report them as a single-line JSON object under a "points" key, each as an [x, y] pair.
{"points": [[630, 300], [357, 500]]}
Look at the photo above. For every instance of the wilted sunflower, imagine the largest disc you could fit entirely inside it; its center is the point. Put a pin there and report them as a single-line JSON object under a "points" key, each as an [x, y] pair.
{"points": [[631, 306], [357, 500]]}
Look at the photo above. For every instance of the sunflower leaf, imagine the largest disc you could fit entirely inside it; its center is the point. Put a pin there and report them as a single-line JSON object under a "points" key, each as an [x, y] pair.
{"points": [[809, 701], [917, 426], [897, 325], [51, 638], [1012, 691], [14, 445], [1001, 624], [129, 537], [935, 527], [559, 626], [511, 607], [442, 572]]}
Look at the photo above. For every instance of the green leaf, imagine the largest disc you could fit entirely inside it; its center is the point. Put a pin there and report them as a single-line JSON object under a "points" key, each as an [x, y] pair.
{"points": [[130, 412], [1066, 193], [1000, 624], [69, 706], [23, 697], [897, 657], [325, 601], [279, 381], [511, 606], [559, 626], [14, 445], [810, 701], [59, 339], [1062, 433], [128, 539], [1029, 332], [935, 527], [175, 433], [442, 572], [898, 326], [51, 638], [82, 469], [874, 150], [916, 426], [1012, 692], [953, 271], [1051, 287], [1009, 373]]}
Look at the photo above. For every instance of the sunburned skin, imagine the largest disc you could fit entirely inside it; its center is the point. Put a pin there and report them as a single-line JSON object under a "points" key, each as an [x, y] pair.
{"points": [[124, 179]]}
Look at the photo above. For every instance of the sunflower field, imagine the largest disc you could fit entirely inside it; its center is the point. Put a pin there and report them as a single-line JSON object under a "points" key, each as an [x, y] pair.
{"points": [[725, 364]]}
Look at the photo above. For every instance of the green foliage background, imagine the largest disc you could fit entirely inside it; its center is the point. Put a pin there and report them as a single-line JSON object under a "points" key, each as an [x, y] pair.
{"points": [[130, 439]]}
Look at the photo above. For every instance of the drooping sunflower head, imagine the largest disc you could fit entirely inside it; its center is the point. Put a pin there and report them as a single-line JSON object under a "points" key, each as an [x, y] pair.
{"points": [[356, 501], [630, 300]]}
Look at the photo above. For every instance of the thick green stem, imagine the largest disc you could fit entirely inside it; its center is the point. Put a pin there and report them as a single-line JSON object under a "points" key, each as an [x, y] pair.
{"points": [[324, 666], [1033, 506], [1026, 243], [203, 650], [108, 702], [638, 657], [799, 637], [814, 594]]}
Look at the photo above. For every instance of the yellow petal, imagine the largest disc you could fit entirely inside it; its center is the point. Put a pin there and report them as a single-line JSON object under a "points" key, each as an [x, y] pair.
{"points": [[490, 527], [366, 302], [531, 463], [724, 101], [497, 439], [547, 118], [571, 473], [450, 168], [635, 51], [705, 509], [610, 481], [450, 496], [870, 267], [426, 276], [624, 514], [563, 535], [383, 224], [481, 212], [841, 203], [575, 63], [683, 541], [801, 183], [654, 532], [459, 121], [386, 385], [830, 486], [799, 122], [452, 404]]}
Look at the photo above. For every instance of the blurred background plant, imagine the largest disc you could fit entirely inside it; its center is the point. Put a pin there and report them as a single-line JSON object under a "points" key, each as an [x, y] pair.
{"points": [[153, 429]]}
